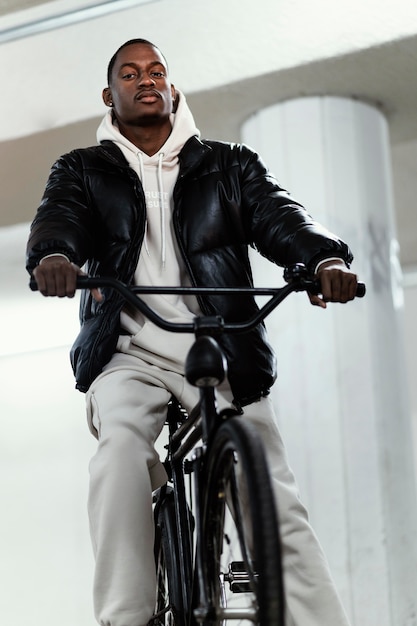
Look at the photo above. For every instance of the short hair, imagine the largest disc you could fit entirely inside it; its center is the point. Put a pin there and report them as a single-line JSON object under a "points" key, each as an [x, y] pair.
{"points": [[131, 42]]}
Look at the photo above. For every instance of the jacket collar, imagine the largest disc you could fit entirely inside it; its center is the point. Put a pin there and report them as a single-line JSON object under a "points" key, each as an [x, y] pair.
{"points": [[111, 152], [192, 154]]}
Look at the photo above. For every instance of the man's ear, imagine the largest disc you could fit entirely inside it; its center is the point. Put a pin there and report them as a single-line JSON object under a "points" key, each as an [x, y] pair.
{"points": [[175, 99], [107, 97]]}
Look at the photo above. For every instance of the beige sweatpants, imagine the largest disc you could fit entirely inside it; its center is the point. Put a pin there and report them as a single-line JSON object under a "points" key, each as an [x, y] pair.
{"points": [[126, 409]]}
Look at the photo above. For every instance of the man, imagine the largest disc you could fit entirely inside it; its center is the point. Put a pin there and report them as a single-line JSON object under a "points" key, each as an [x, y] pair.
{"points": [[154, 204]]}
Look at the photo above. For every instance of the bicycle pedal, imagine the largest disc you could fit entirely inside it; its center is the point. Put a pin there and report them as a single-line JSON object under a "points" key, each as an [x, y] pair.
{"points": [[238, 578], [241, 587]]}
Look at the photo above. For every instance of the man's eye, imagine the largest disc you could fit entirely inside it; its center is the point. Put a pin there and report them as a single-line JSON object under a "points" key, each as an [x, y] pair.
{"points": [[158, 74], [128, 75]]}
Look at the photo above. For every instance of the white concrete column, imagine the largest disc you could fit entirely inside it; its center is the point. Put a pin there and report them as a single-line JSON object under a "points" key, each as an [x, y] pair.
{"points": [[341, 394]]}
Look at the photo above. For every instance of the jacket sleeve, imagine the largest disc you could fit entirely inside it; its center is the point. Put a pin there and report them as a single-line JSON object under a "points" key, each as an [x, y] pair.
{"points": [[279, 227], [63, 222]]}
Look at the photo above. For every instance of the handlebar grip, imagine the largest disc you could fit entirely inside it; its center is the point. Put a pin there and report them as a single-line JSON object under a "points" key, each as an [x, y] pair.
{"points": [[316, 289], [360, 290], [82, 283]]}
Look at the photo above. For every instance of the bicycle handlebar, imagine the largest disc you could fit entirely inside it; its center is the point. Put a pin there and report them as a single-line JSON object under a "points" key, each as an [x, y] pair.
{"points": [[297, 279]]}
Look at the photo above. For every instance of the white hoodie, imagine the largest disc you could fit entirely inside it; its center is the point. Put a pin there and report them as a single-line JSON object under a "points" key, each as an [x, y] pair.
{"points": [[160, 262]]}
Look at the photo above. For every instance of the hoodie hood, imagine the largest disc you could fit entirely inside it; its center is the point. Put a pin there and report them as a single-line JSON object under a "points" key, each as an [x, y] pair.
{"points": [[183, 128]]}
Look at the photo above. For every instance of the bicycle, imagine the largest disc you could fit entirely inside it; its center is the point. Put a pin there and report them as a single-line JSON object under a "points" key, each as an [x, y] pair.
{"points": [[217, 545]]}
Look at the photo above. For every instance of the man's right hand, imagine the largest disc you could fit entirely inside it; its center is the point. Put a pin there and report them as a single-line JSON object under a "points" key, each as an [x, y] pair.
{"points": [[56, 276]]}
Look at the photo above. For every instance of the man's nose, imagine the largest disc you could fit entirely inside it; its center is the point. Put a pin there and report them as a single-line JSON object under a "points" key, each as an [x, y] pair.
{"points": [[146, 79]]}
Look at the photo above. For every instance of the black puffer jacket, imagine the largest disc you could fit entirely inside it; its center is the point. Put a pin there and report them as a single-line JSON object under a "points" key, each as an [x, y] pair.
{"points": [[93, 210]]}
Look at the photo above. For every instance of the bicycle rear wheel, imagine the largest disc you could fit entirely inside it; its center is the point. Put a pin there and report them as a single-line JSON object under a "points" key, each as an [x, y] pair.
{"points": [[240, 531], [169, 609]]}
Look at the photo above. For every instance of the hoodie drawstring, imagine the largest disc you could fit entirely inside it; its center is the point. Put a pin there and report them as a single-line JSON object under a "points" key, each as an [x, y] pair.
{"points": [[162, 209], [161, 202], [142, 179]]}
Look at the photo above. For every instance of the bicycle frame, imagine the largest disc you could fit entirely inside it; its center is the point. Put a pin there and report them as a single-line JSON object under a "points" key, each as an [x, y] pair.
{"points": [[184, 437]]}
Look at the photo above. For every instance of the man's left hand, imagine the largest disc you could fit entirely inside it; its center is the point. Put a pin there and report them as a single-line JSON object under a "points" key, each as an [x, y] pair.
{"points": [[338, 283]]}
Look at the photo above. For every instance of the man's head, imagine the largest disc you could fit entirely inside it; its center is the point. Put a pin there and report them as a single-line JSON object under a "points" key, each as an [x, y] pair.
{"points": [[125, 45], [139, 90]]}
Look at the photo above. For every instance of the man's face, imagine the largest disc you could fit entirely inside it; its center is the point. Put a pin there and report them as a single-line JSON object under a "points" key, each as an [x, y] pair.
{"points": [[140, 91]]}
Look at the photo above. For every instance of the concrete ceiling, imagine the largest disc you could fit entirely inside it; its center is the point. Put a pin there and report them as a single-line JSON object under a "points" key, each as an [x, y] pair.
{"points": [[10, 6], [383, 73]]}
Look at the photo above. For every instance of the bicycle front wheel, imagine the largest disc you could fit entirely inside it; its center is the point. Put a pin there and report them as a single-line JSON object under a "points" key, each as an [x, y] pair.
{"points": [[240, 533]]}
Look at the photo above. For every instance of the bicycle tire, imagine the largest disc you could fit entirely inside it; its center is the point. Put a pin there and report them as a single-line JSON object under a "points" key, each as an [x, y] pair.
{"points": [[169, 609], [236, 462]]}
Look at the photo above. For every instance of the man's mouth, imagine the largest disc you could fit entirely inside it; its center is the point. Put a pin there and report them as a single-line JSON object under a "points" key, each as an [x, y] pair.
{"points": [[148, 96]]}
